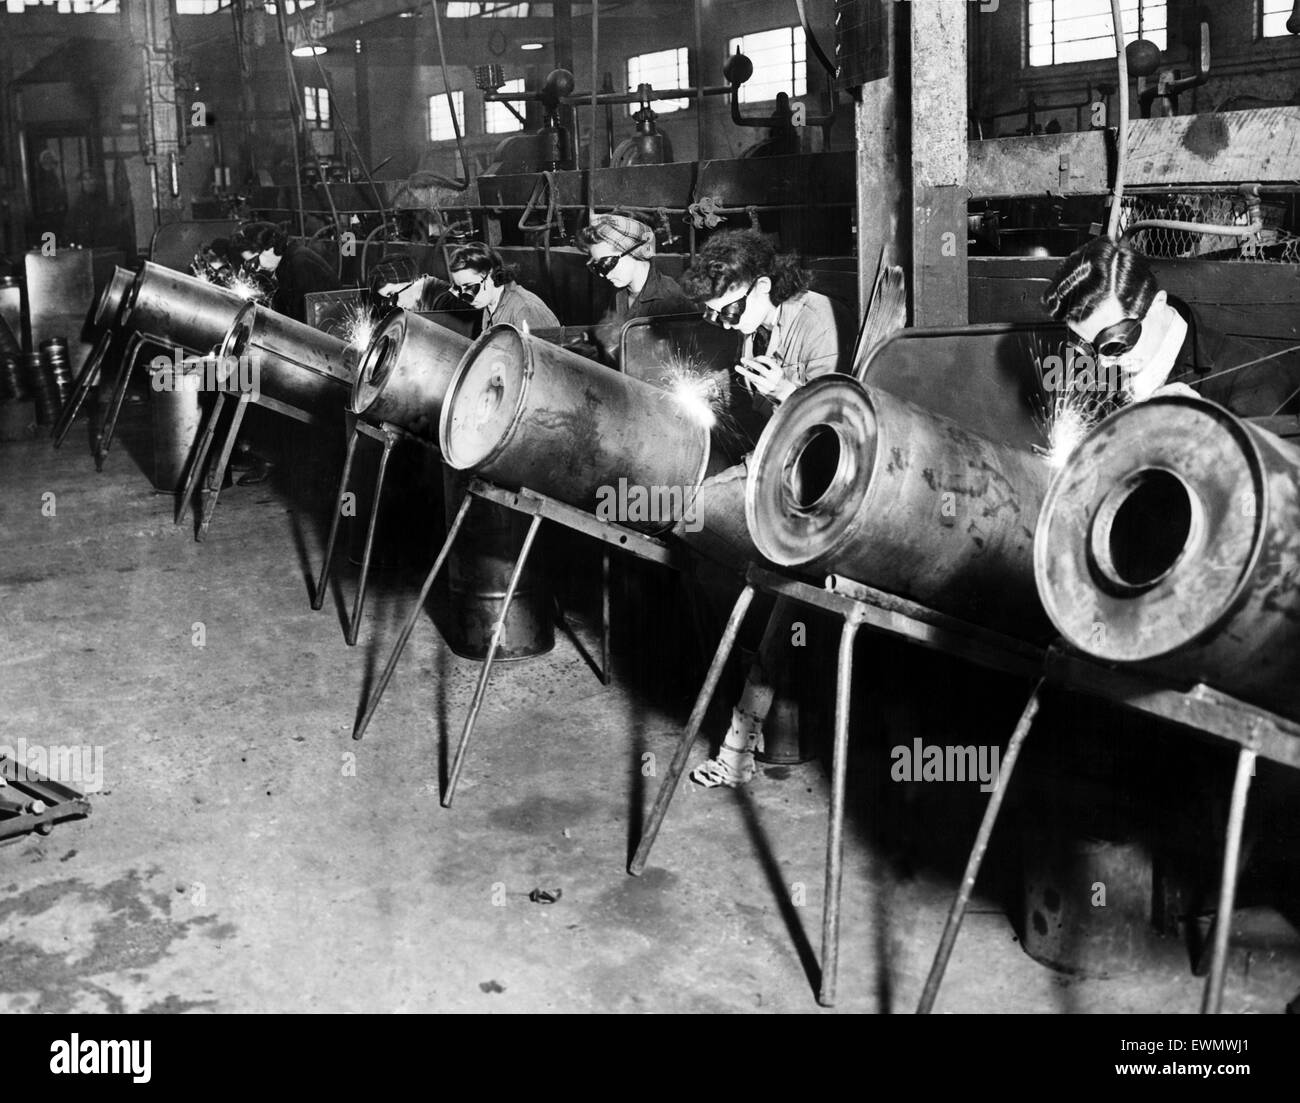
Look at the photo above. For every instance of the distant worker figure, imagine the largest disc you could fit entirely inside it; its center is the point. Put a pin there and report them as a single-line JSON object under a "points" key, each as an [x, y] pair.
{"points": [[92, 221], [484, 281], [398, 282], [1107, 296]]}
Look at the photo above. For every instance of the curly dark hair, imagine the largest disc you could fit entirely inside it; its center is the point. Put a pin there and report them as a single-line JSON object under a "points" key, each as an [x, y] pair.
{"points": [[484, 260], [257, 237], [1091, 272], [736, 258]]}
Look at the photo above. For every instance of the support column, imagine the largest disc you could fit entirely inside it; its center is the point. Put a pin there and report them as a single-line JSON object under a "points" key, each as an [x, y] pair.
{"points": [[150, 22]]}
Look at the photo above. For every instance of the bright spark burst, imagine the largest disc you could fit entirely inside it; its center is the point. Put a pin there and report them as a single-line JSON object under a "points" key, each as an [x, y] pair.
{"points": [[700, 396], [1067, 413], [247, 288], [358, 325]]}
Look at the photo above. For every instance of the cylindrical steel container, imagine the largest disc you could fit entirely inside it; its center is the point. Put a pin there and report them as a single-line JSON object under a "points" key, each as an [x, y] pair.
{"points": [[478, 572], [1171, 540], [38, 386], [405, 372], [56, 370], [288, 362], [525, 413], [177, 418], [851, 480], [111, 298], [179, 310], [714, 522], [13, 380]]}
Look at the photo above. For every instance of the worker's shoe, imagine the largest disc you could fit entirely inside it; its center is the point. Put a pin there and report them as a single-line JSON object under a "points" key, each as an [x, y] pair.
{"points": [[733, 765]]}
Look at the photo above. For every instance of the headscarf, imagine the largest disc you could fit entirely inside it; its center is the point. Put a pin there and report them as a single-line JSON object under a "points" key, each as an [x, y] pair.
{"points": [[625, 234]]}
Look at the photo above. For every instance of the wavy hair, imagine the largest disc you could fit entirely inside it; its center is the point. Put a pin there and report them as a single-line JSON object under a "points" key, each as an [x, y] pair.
{"points": [[1095, 270], [484, 260], [736, 258], [257, 237]]}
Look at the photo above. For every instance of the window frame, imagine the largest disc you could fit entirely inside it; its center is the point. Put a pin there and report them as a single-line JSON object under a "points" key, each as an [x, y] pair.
{"points": [[793, 90], [316, 94], [661, 106], [1045, 68], [458, 100], [515, 126]]}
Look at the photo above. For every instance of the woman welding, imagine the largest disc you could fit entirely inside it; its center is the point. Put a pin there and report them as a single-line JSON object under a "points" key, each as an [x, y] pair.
{"points": [[1107, 296], [482, 279], [791, 335], [621, 250]]}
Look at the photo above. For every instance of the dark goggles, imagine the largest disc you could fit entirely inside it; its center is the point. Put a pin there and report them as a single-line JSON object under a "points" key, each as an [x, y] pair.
{"points": [[603, 266], [729, 314], [467, 291], [1112, 341]]}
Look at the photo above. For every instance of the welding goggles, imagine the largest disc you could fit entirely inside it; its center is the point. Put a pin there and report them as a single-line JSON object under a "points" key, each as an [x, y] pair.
{"points": [[1113, 341], [466, 291], [729, 314], [603, 266]]}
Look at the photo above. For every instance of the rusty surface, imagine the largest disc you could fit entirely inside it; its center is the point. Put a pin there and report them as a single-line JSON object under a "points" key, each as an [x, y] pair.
{"points": [[1171, 541], [851, 480], [179, 310]]}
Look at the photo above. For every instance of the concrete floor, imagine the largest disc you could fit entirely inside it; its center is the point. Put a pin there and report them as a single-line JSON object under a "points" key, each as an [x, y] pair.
{"points": [[244, 854]]}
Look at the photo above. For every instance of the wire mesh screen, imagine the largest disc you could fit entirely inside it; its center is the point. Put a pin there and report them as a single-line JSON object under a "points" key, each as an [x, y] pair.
{"points": [[1275, 242]]}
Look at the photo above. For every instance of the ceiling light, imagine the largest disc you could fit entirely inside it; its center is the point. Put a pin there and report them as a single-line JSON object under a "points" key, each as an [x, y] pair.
{"points": [[533, 46], [310, 49]]}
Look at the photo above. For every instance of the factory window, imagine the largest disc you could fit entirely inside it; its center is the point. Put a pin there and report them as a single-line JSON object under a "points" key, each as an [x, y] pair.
{"points": [[200, 7], [64, 7], [440, 128], [495, 11], [662, 69], [291, 6], [497, 117], [316, 104], [1273, 15], [780, 63], [1081, 30]]}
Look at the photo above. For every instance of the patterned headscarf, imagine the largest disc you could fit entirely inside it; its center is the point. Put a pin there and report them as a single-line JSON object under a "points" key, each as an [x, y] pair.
{"points": [[625, 234]]}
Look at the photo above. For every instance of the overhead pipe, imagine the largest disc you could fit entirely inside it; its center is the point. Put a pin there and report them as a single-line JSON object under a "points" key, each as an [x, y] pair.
{"points": [[1171, 541], [852, 481]]}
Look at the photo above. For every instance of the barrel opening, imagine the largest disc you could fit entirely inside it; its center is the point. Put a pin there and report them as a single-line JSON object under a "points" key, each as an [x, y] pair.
{"points": [[379, 361], [240, 335], [814, 464], [1142, 529]]}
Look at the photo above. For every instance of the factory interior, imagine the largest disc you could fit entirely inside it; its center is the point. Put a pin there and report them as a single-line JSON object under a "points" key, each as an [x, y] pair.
{"points": [[650, 506]]}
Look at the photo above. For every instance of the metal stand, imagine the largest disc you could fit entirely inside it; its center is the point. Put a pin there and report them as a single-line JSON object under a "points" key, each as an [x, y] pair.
{"points": [[88, 378], [32, 802], [216, 473], [539, 508], [857, 606], [388, 436], [105, 439], [1256, 731]]}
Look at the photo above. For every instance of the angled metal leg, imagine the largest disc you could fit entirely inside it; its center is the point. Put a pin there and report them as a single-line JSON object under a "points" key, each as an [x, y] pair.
{"points": [[669, 784], [88, 378], [958, 911], [200, 457], [105, 441], [1212, 1001], [359, 602], [497, 630], [216, 472], [409, 626], [605, 674], [835, 827], [322, 583]]}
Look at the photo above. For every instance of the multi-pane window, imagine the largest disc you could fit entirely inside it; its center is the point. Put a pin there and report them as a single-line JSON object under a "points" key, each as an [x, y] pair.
{"points": [[200, 7], [65, 7], [780, 63], [662, 69], [440, 128], [497, 117], [316, 106], [1061, 31], [1273, 15]]}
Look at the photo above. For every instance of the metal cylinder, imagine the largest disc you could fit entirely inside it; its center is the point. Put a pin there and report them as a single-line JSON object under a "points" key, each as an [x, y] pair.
{"points": [[478, 572], [39, 389], [179, 310], [1171, 540], [177, 418], [56, 370], [405, 372], [525, 413], [13, 383], [287, 362], [848, 479], [113, 295]]}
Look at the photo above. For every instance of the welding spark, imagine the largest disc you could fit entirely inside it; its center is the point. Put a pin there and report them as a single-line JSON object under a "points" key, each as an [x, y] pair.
{"points": [[247, 288], [1069, 406], [700, 395], [358, 326]]}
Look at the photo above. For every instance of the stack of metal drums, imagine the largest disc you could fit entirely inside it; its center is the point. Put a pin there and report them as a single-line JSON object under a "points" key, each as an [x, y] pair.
{"points": [[49, 379]]}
